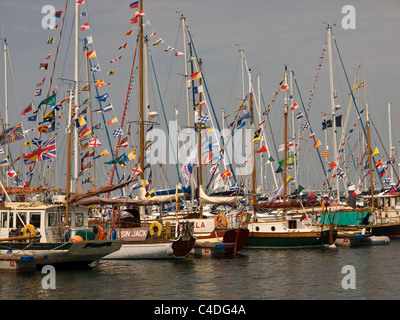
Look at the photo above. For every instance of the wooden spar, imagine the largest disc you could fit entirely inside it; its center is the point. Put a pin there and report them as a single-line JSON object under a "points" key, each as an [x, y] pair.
{"points": [[285, 113], [369, 147], [141, 130], [199, 149], [253, 162], [68, 181], [19, 238]]}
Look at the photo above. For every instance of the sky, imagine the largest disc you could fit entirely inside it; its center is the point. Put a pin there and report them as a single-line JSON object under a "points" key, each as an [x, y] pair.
{"points": [[271, 34]]}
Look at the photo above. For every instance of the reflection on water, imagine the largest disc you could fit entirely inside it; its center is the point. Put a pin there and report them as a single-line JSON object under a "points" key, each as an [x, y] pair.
{"points": [[254, 274]]}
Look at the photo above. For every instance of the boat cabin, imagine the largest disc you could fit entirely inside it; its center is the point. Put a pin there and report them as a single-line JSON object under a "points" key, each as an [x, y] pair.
{"points": [[48, 220]]}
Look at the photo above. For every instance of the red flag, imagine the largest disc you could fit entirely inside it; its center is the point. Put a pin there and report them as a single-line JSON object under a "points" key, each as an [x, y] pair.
{"points": [[27, 109], [226, 173], [263, 149]]}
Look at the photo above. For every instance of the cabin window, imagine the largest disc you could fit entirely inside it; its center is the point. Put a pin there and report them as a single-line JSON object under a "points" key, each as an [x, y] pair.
{"points": [[35, 219], [79, 219], [4, 220], [21, 216], [11, 223]]}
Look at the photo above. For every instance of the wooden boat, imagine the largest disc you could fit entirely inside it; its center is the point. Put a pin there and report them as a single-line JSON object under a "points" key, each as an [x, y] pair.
{"points": [[143, 240], [19, 263], [288, 232]]}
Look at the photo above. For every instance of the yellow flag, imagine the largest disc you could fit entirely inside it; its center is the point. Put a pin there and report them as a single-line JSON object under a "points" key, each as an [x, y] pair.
{"points": [[111, 73], [375, 152], [28, 143], [104, 153]]}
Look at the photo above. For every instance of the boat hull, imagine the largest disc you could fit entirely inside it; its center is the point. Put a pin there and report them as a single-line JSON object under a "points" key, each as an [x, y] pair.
{"points": [[391, 230], [227, 242], [288, 240], [156, 249], [68, 254], [18, 263]]}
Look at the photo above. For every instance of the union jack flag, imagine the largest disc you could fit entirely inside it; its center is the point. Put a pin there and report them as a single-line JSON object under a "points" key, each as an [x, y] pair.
{"points": [[46, 151]]}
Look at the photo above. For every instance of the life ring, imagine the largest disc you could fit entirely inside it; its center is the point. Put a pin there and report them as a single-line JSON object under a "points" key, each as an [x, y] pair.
{"points": [[29, 229], [157, 225], [100, 233], [220, 221]]}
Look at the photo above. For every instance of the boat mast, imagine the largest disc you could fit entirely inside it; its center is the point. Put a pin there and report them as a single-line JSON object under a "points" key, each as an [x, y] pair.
{"points": [[333, 108], [369, 147], [285, 114], [261, 154], [253, 162], [200, 169], [5, 93], [390, 141], [76, 95], [293, 133], [68, 179], [76, 102], [141, 131]]}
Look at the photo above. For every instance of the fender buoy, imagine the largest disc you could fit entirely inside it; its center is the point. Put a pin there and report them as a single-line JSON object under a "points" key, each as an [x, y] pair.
{"points": [[77, 239], [220, 221], [100, 233], [62, 224], [157, 225], [29, 229]]}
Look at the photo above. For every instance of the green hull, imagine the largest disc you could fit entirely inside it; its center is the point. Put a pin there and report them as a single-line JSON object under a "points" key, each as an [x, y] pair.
{"points": [[269, 241]]}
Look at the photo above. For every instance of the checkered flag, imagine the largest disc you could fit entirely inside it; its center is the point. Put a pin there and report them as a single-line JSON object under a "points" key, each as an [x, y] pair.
{"points": [[118, 132], [204, 119], [305, 126]]}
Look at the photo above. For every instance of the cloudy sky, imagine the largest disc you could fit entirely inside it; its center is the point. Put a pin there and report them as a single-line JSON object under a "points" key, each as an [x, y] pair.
{"points": [[271, 34]]}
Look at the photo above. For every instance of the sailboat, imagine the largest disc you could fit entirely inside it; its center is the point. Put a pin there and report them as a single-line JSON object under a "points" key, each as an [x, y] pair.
{"points": [[286, 233], [142, 239], [52, 227]]}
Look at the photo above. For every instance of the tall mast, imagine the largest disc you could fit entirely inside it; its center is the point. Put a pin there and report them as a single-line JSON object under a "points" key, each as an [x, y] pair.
{"points": [[285, 114], [253, 162], [333, 108], [76, 95], [261, 154], [141, 131], [68, 179], [5, 84], [369, 147], [199, 149], [293, 133], [187, 86], [390, 141], [5, 93]]}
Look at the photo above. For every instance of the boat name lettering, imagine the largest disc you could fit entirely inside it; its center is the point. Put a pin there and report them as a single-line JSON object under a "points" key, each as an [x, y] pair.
{"points": [[199, 225], [134, 234]]}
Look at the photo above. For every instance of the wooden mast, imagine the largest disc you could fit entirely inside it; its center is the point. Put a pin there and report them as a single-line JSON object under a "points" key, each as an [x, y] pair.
{"points": [[141, 131], [199, 149], [369, 147], [285, 113], [253, 162]]}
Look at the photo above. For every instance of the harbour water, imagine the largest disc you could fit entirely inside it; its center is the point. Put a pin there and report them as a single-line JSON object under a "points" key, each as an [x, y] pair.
{"points": [[253, 274]]}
